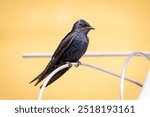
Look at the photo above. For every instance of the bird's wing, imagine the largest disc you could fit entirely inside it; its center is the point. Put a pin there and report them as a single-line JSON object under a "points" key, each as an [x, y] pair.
{"points": [[64, 44]]}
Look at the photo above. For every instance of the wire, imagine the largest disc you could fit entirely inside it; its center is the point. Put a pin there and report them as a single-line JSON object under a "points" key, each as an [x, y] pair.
{"points": [[83, 64], [111, 73], [124, 70], [46, 54]]}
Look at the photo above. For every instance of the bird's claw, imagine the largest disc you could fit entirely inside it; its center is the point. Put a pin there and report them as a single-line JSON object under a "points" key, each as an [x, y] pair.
{"points": [[78, 63], [69, 63]]}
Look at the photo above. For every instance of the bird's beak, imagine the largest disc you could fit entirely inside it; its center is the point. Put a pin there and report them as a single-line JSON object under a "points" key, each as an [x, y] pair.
{"points": [[87, 28], [92, 28]]}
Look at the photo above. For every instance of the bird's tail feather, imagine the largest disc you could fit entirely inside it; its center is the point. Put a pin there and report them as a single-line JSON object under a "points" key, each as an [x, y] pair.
{"points": [[40, 77], [56, 76], [35, 78], [44, 74]]}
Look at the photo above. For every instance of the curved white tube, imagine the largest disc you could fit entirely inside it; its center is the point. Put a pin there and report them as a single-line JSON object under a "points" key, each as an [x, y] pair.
{"points": [[83, 64], [111, 73], [124, 70]]}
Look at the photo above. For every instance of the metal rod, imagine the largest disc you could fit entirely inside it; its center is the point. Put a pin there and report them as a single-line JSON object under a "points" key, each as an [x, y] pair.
{"points": [[83, 64], [88, 54]]}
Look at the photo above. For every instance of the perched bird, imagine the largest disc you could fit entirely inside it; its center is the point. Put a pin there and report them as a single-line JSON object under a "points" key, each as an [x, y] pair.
{"points": [[71, 49]]}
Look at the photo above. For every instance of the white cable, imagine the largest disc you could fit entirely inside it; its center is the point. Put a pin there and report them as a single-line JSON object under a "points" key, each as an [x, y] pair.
{"points": [[124, 70], [46, 54], [111, 73], [83, 64]]}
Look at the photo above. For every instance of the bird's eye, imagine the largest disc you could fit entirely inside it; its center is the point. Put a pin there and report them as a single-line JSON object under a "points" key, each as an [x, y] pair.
{"points": [[84, 25]]}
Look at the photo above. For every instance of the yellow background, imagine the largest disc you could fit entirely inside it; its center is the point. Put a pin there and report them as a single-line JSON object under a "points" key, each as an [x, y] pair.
{"points": [[39, 26]]}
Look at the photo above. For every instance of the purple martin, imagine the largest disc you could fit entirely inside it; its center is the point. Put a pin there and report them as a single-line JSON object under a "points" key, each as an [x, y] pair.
{"points": [[70, 49]]}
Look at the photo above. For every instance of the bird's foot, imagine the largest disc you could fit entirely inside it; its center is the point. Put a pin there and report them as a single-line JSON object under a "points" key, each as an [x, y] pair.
{"points": [[78, 63], [69, 63]]}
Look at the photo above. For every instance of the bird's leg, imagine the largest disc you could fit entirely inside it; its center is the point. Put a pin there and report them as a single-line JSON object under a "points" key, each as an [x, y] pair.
{"points": [[78, 63], [69, 63]]}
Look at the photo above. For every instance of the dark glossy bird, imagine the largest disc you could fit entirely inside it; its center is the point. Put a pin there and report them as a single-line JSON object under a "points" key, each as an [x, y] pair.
{"points": [[71, 49]]}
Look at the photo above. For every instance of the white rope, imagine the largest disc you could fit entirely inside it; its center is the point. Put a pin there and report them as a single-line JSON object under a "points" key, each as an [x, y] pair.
{"points": [[46, 54], [83, 64], [124, 70]]}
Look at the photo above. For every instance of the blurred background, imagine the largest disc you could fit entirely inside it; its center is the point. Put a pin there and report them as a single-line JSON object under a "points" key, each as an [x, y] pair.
{"points": [[39, 26]]}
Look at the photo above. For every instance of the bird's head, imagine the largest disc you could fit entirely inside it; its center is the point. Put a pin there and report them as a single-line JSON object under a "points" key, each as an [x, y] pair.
{"points": [[82, 25]]}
